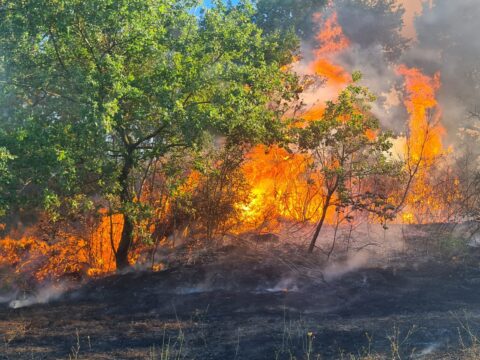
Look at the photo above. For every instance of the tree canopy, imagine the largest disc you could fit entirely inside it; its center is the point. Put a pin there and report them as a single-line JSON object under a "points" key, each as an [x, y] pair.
{"points": [[289, 15], [94, 89]]}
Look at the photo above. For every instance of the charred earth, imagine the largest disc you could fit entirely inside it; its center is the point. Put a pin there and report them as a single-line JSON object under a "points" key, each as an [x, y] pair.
{"points": [[263, 301]]}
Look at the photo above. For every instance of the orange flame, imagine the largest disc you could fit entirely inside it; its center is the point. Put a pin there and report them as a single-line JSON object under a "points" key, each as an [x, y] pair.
{"points": [[332, 41], [423, 145], [71, 254], [283, 186], [425, 130]]}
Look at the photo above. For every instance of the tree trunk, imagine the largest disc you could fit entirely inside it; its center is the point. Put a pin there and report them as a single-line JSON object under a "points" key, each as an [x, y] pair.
{"points": [[126, 240], [320, 223], [121, 255]]}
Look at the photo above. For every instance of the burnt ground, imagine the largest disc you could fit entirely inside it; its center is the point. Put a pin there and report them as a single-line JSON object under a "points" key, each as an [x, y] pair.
{"points": [[251, 303]]}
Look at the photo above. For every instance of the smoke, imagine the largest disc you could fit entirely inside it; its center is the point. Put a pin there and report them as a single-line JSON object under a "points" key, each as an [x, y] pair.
{"points": [[446, 42], [428, 350], [47, 293], [339, 269], [381, 78], [287, 284], [6, 298], [375, 46]]}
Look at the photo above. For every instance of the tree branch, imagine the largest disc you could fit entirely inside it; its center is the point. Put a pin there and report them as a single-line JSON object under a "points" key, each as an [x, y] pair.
{"points": [[157, 132]]}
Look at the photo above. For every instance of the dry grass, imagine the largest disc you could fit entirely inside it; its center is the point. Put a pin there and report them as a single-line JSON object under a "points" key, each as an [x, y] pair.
{"points": [[170, 349], [14, 331]]}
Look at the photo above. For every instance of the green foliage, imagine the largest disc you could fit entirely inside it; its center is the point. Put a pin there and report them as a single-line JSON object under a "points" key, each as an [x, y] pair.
{"points": [[5, 179], [351, 153], [96, 90], [288, 15], [91, 83]]}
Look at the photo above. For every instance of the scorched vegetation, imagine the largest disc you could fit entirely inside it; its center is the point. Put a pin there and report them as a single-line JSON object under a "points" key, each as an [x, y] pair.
{"points": [[288, 177]]}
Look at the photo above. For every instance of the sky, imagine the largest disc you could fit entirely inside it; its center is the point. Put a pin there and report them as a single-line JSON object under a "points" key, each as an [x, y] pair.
{"points": [[209, 2]]}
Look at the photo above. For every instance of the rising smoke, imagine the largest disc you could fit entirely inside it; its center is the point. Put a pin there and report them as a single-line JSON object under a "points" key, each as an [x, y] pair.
{"points": [[446, 42], [44, 294]]}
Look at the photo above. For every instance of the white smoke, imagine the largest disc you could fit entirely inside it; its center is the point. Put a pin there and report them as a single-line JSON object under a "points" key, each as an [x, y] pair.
{"points": [[447, 42], [338, 269], [6, 298], [43, 296]]}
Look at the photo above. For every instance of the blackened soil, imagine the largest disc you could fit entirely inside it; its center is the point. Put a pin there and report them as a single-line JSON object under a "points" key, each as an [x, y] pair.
{"points": [[244, 307]]}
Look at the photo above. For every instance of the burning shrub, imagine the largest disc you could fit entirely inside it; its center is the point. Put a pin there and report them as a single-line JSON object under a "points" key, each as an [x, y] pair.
{"points": [[62, 247], [347, 148], [217, 190], [112, 148]]}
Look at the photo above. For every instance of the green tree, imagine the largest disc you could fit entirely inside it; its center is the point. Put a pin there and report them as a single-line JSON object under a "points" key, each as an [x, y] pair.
{"points": [[96, 89], [348, 151], [289, 15], [5, 179]]}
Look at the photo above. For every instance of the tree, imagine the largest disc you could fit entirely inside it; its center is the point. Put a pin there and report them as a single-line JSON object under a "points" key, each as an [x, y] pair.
{"points": [[348, 148], [374, 22], [96, 89], [5, 178], [289, 15]]}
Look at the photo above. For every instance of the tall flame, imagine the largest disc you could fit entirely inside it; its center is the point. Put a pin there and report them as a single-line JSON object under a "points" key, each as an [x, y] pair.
{"points": [[283, 187], [423, 145], [331, 41], [425, 129]]}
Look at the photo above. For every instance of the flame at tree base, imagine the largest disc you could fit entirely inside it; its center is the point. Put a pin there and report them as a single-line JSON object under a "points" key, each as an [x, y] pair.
{"points": [[67, 254], [283, 186]]}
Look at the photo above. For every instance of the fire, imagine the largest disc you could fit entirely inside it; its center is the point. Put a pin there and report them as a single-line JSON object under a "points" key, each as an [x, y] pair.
{"points": [[425, 129], [281, 184], [331, 37], [332, 41], [103, 239], [283, 187], [424, 144], [71, 254]]}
